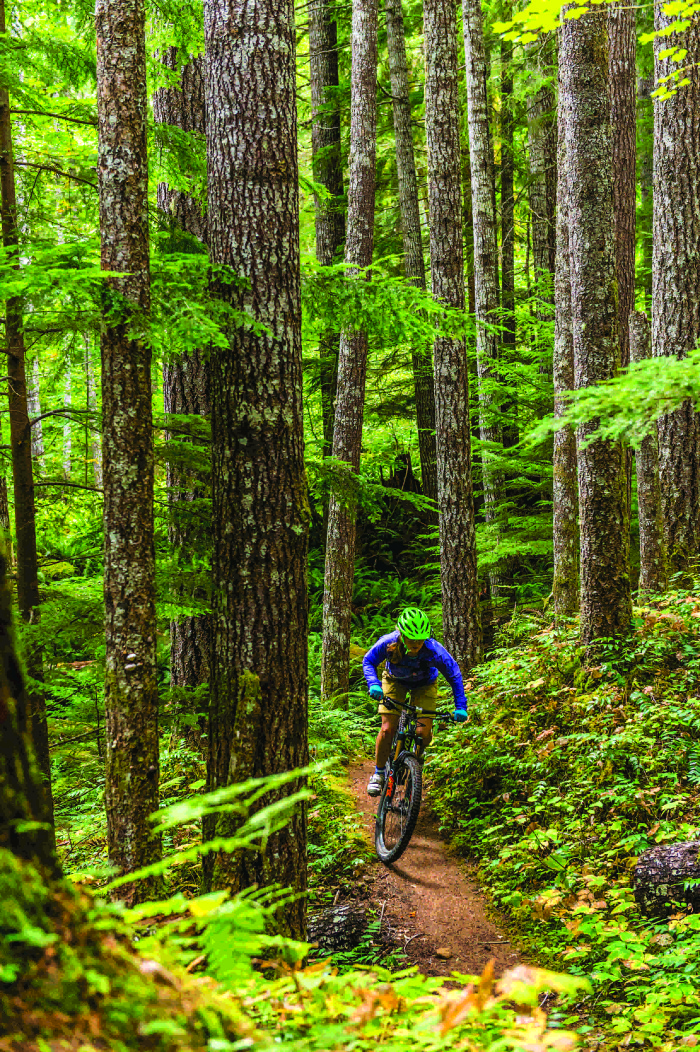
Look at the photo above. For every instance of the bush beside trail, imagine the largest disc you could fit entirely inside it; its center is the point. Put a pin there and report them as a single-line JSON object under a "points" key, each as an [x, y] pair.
{"points": [[568, 772]]}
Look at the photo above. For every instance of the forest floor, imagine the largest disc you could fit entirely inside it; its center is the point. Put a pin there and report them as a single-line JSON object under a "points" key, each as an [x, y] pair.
{"points": [[429, 901]]}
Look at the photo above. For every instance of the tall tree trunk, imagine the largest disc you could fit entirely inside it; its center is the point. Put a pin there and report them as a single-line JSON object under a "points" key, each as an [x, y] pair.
{"points": [[460, 594], [5, 529], [675, 324], [258, 708], [352, 362], [94, 450], [21, 451], [510, 432], [623, 117], [328, 171], [468, 240], [542, 145], [485, 267], [186, 390], [565, 587], [653, 563], [412, 240], [22, 797], [186, 380], [182, 107], [67, 433], [131, 694], [34, 410], [645, 133], [605, 587]]}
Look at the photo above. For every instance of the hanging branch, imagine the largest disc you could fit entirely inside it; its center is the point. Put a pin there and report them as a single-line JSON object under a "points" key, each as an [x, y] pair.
{"points": [[56, 171], [56, 116]]}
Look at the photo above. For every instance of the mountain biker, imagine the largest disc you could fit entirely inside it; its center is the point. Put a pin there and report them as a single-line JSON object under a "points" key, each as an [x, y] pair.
{"points": [[413, 661]]}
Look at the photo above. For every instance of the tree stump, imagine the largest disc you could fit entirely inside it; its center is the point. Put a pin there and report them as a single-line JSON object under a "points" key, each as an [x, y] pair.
{"points": [[338, 928], [661, 875]]}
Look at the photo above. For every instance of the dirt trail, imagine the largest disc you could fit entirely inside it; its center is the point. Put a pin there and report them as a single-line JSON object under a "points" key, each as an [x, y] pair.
{"points": [[430, 900]]}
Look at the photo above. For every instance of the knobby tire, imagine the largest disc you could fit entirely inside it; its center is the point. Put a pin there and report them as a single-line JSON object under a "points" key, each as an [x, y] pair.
{"points": [[389, 846]]}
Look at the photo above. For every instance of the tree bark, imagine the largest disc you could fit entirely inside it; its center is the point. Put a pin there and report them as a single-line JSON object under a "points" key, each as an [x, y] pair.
{"points": [[183, 107], [414, 264], [186, 390], [660, 879], [186, 380], [653, 563], [95, 443], [352, 362], [542, 144], [605, 587], [510, 432], [339, 928], [5, 531], [675, 325], [468, 241], [565, 587], [67, 430], [328, 171], [22, 795], [258, 707], [21, 453], [460, 594], [623, 117], [645, 128], [34, 410], [131, 695], [485, 268]]}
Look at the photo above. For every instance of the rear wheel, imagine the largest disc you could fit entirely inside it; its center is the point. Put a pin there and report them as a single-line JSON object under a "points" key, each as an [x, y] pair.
{"points": [[398, 809]]}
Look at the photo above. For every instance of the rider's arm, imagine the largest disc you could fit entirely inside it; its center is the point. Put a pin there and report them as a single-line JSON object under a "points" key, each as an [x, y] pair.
{"points": [[445, 663], [372, 659]]}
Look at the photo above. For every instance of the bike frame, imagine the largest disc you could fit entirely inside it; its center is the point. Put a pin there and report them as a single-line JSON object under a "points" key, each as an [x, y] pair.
{"points": [[402, 763], [405, 738]]}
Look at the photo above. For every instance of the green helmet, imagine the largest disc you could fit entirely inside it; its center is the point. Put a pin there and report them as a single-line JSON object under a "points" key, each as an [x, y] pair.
{"points": [[413, 624]]}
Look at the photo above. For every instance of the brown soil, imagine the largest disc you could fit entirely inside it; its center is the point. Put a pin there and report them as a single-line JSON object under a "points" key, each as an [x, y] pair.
{"points": [[430, 900]]}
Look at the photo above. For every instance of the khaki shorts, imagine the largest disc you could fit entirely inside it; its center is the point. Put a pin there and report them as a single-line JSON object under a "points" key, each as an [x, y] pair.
{"points": [[423, 697]]}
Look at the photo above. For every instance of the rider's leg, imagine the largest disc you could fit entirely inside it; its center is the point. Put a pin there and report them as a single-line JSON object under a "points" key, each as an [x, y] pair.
{"points": [[389, 725], [393, 691], [424, 734], [425, 698]]}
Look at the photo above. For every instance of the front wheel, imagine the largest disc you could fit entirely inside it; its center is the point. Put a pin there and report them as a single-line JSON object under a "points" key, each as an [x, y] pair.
{"points": [[398, 809]]}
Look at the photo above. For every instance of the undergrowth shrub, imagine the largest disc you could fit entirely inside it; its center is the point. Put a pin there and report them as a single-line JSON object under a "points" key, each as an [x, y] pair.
{"points": [[209, 972], [566, 773]]}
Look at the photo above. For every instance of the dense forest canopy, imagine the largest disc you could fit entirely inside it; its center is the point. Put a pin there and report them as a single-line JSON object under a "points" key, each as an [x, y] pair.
{"points": [[314, 312]]}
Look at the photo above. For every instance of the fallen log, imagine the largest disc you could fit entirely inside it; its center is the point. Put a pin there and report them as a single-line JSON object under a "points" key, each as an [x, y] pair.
{"points": [[338, 927], [667, 878]]}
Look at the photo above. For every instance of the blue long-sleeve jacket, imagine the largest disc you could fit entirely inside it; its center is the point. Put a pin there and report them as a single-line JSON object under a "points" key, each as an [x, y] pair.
{"points": [[415, 671]]}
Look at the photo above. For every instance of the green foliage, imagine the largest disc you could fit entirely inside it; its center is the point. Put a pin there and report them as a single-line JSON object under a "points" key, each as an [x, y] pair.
{"points": [[629, 405], [556, 821], [568, 773], [544, 16], [318, 1007]]}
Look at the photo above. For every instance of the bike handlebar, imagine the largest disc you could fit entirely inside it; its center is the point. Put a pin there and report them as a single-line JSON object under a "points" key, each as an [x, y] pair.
{"points": [[391, 704]]}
